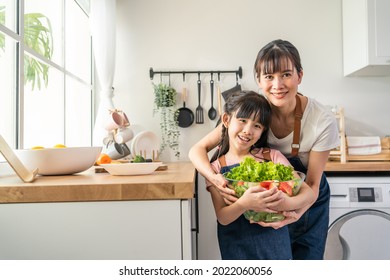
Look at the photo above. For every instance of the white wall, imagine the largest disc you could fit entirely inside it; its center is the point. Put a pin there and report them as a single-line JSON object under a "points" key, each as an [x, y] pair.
{"points": [[222, 35]]}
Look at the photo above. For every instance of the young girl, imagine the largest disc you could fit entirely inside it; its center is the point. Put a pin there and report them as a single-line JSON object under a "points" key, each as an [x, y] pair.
{"points": [[244, 133]]}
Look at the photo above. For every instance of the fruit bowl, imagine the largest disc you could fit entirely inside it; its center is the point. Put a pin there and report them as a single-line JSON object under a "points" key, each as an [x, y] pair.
{"points": [[59, 161], [290, 188]]}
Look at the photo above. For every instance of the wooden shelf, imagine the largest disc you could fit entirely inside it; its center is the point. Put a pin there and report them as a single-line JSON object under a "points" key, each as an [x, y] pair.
{"points": [[341, 152]]}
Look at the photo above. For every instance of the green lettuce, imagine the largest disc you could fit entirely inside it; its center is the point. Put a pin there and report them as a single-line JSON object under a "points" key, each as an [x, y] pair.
{"points": [[251, 170]]}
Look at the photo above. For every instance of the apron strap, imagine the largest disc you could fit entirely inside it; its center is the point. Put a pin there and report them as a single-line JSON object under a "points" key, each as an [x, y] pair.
{"points": [[222, 161], [297, 127]]}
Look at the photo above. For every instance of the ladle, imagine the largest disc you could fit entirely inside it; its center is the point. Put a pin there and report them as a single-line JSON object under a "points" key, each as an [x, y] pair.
{"points": [[212, 111]]}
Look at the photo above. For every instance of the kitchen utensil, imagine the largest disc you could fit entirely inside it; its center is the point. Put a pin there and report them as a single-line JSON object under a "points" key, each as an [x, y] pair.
{"points": [[186, 116], [199, 109], [212, 111], [24, 173], [131, 168], [219, 98], [59, 161], [227, 93]]}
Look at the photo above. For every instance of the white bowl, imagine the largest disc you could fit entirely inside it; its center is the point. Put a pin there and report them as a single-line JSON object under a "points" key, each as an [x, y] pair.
{"points": [[59, 161], [131, 168]]}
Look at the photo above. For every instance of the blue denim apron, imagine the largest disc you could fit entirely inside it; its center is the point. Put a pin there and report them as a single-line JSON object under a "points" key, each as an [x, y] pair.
{"points": [[308, 234], [241, 240]]}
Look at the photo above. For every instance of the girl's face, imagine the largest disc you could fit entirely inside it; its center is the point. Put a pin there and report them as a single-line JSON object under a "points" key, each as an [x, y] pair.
{"points": [[243, 132], [281, 87]]}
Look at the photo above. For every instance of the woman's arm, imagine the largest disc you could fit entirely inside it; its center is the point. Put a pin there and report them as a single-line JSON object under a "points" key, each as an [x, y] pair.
{"points": [[199, 158]]}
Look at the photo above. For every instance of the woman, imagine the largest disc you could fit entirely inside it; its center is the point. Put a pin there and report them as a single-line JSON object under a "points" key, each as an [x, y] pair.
{"points": [[302, 129], [246, 120]]}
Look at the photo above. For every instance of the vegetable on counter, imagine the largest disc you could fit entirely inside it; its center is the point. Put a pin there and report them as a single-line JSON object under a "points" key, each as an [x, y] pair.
{"points": [[103, 159], [138, 159]]}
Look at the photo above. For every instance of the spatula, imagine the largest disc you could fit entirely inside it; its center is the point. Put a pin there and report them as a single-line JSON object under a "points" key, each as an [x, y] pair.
{"points": [[199, 109]]}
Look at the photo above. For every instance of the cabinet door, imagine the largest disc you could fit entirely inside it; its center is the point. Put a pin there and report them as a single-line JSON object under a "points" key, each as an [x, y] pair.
{"points": [[378, 32], [366, 40], [150, 229]]}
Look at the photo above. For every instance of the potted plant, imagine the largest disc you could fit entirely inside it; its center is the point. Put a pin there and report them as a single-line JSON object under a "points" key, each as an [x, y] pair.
{"points": [[165, 101]]}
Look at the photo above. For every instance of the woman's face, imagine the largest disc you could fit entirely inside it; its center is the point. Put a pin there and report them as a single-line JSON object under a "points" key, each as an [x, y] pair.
{"points": [[281, 87]]}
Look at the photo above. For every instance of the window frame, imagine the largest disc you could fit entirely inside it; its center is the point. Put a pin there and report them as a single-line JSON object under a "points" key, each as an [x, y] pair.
{"points": [[21, 49]]}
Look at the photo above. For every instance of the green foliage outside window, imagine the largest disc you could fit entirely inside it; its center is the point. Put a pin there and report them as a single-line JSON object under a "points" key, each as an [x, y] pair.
{"points": [[37, 36]]}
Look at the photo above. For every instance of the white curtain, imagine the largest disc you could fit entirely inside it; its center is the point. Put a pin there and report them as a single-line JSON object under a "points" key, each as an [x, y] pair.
{"points": [[103, 30]]}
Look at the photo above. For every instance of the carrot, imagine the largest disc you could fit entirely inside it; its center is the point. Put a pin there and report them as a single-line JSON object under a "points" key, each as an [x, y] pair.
{"points": [[103, 159]]}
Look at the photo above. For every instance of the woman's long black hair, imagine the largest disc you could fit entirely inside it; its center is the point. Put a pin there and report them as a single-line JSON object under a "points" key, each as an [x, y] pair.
{"points": [[246, 104], [274, 55]]}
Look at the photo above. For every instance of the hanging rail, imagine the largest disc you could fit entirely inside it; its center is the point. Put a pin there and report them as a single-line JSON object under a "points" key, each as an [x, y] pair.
{"points": [[237, 72]]}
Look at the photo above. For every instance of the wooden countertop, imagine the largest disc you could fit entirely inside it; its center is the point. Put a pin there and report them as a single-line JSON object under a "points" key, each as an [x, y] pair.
{"points": [[177, 182], [357, 166]]}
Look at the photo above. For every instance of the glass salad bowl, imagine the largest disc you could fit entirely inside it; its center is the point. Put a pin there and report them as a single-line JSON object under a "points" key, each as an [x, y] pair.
{"points": [[289, 187]]}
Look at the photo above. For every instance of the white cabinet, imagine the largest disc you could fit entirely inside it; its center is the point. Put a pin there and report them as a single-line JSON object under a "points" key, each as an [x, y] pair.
{"points": [[366, 37], [148, 229]]}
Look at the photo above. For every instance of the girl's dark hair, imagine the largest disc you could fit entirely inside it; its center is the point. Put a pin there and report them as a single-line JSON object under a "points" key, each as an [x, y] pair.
{"points": [[273, 56], [246, 104]]}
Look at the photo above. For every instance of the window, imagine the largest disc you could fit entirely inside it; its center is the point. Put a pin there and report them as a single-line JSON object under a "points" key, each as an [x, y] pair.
{"points": [[45, 73]]}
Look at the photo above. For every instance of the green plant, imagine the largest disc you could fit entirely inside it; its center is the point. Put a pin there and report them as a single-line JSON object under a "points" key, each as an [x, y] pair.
{"points": [[165, 101], [37, 36]]}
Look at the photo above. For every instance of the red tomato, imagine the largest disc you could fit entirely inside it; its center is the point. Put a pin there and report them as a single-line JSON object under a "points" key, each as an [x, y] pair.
{"points": [[286, 187], [240, 183], [269, 184]]}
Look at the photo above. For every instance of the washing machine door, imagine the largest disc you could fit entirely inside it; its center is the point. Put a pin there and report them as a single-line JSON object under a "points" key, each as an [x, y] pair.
{"points": [[362, 234]]}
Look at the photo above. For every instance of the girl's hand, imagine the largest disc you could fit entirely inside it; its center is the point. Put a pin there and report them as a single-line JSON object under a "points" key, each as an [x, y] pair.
{"points": [[260, 200]]}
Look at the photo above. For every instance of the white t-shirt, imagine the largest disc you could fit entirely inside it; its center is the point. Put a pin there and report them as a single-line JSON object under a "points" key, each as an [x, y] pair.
{"points": [[319, 132]]}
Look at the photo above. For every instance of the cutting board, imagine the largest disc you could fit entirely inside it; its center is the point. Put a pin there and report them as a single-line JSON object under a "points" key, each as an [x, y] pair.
{"points": [[25, 174]]}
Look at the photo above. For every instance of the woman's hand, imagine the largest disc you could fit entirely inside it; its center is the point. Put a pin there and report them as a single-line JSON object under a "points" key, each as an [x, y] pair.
{"points": [[220, 182], [291, 217]]}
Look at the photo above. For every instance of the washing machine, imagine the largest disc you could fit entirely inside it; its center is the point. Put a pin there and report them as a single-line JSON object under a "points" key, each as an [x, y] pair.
{"points": [[359, 226]]}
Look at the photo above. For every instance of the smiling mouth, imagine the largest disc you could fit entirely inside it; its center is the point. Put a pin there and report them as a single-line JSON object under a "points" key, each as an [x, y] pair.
{"points": [[279, 94], [243, 138]]}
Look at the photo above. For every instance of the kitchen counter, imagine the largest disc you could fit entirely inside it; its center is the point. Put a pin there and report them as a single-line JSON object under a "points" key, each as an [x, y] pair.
{"points": [[97, 216], [358, 166], [177, 182]]}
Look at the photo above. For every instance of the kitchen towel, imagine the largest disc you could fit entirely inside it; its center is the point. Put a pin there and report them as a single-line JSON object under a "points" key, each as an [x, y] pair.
{"points": [[364, 145]]}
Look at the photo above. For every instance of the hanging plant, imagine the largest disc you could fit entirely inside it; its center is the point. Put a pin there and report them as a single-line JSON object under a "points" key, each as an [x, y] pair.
{"points": [[165, 101]]}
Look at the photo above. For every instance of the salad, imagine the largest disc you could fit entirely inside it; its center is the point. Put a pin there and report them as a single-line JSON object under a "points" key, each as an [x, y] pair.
{"points": [[250, 173]]}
